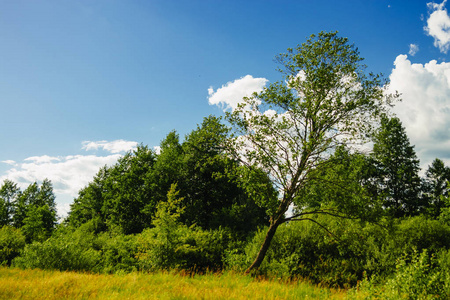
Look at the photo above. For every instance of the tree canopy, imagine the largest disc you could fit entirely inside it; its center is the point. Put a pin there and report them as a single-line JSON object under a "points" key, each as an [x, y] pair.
{"points": [[214, 193]]}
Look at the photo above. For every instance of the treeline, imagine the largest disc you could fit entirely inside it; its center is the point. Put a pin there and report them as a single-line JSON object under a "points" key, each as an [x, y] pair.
{"points": [[283, 193], [193, 207]]}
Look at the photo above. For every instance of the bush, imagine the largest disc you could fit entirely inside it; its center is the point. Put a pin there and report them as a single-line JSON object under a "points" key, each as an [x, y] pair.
{"points": [[118, 253], [173, 245], [419, 275], [82, 250], [12, 242], [304, 249], [66, 250], [182, 247], [343, 255], [421, 233]]}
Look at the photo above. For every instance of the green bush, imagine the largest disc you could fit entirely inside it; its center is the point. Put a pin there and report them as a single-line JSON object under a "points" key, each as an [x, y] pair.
{"points": [[304, 249], [66, 250], [422, 233], [82, 250], [173, 245], [12, 242], [343, 254], [118, 253], [419, 275], [182, 247]]}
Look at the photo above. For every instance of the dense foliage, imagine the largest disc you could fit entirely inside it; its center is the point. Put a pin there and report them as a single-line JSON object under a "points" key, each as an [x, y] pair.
{"points": [[125, 196]]}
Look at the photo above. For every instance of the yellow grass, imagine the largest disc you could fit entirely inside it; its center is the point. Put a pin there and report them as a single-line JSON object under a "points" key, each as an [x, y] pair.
{"points": [[38, 284]]}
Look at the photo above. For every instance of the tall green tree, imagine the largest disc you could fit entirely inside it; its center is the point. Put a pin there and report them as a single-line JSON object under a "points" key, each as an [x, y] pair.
{"points": [[89, 203], [211, 182], [119, 196], [21, 206], [436, 186], [9, 192], [292, 127], [167, 169], [128, 193], [39, 223], [34, 209], [398, 169]]}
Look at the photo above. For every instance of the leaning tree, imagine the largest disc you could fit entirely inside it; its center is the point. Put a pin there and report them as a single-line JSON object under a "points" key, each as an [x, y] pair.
{"points": [[292, 128]]}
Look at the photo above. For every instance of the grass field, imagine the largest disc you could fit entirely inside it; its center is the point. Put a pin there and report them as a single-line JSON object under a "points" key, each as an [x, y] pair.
{"points": [[38, 284]]}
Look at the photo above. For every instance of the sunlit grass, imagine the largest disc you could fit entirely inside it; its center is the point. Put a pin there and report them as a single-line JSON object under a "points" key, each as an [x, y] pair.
{"points": [[38, 284]]}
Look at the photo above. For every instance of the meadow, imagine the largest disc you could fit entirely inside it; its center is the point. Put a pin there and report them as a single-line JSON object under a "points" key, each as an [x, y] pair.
{"points": [[41, 284]]}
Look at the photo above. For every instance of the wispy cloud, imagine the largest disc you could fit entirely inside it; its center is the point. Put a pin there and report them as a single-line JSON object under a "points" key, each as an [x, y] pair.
{"points": [[231, 94], [116, 146], [9, 162], [424, 109], [413, 49], [438, 25]]}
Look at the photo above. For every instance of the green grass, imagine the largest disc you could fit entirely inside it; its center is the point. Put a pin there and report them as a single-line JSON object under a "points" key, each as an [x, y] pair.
{"points": [[39, 284]]}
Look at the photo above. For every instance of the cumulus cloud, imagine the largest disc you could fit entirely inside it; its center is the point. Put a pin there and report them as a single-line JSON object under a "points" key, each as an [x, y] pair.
{"points": [[116, 146], [424, 109], [69, 173], [231, 94], [438, 25], [413, 49]]}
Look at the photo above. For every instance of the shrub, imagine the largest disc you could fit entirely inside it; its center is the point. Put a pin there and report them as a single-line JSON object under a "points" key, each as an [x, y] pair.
{"points": [[422, 233], [12, 242], [66, 250], [173, 245], [341, 256], [118, 253], [419, 275], [182, 247]]}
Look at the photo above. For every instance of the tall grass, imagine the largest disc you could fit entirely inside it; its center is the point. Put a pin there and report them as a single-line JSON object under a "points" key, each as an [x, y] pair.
{"points": [[39, 284]]}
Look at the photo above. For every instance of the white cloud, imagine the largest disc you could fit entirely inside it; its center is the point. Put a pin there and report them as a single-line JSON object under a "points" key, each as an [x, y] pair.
{"points": [[69, 173], [438, 25], [157, 149], [116, 146], [9, 162], [425, 106], [231, 94], [42, 159], [413, 49]]}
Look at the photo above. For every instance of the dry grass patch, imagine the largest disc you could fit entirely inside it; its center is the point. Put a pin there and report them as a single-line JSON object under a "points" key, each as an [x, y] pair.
{"points": [[38, 284]]}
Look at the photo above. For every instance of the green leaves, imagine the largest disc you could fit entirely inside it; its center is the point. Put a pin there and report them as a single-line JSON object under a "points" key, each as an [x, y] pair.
{"points": [[126, 195], [292, 127]]}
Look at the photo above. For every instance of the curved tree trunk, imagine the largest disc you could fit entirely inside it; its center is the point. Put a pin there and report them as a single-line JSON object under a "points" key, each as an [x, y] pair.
{"points": [[265, 246]]}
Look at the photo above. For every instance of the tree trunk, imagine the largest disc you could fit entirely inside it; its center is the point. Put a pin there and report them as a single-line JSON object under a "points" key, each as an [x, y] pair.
{"points": [[265, 246]]}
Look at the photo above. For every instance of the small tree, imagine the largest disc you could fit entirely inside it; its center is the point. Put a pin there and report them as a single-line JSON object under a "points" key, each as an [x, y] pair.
{"points": [[292, 127]]}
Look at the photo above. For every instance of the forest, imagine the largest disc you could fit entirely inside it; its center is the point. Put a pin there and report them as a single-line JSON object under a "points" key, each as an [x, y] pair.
{"points": [[313, 178]]}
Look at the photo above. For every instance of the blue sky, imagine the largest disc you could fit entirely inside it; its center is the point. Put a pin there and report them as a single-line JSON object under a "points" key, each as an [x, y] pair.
{"points": [[83, 81]]}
